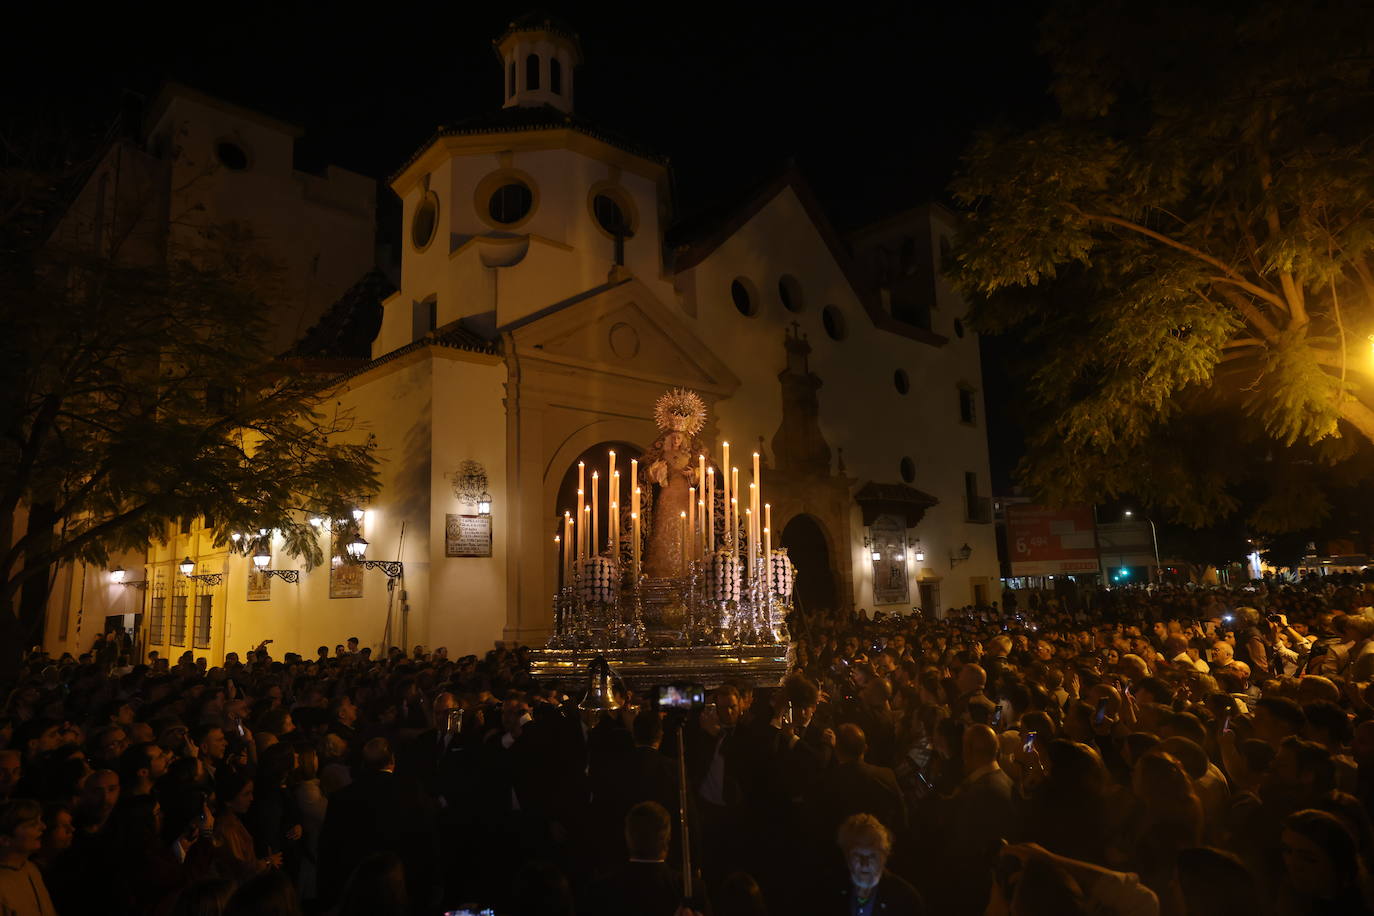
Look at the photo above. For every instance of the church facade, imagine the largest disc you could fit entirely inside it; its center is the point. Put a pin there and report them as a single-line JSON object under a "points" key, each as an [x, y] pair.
{"points": [[542, 309]]}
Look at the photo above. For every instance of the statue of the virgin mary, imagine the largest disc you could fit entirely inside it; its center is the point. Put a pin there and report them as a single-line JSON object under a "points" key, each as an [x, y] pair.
{"points": [[680, 415]]}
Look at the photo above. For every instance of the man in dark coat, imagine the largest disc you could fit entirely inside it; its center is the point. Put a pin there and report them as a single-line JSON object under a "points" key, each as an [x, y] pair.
{"points": [[646, 885], [980, 816], [378, 812], [853, 786]]}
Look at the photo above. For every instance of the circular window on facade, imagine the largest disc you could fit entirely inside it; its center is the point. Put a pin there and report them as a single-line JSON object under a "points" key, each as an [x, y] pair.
{"points": [[610, 215], [231, 155], [958, 328], [908, 470], [510, 203], [744, 298], [902, 381], [833, 319], [425, 221], [789, 291]]}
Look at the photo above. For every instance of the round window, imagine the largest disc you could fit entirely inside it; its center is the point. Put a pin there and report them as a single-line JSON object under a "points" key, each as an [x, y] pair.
{"points": [[902, 381], [510, 203], [610, 215], [231, 155], [958, 328], [425, 222], [744, 299], [908, 469], [789, 291], [833, 319]]}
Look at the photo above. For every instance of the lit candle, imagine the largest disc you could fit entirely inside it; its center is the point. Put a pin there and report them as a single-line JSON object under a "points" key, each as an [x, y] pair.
{"points": [[711, 510], [756, 488], [612, 497], [567, 547], [701, 528], [557, 549], [584, 538], [767, 558], [596, 514], [615, 515], [634, 545], [682, 539], [734, 534], [749, 541], [725, 489], [581, 504], [735, 517], [691, 520]]}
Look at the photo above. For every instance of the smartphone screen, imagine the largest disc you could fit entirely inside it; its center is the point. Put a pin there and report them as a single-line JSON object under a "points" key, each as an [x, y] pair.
{"points": [[1028, 746], [997, 716], [1226, 723], [1100, 716]]}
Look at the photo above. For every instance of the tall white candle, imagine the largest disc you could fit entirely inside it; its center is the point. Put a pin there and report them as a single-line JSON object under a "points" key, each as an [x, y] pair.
{"points": [[585, 538], [749, 540], [615, 515], [735, 517], [711, 510], [558, 551], [725, 489], [567, 547], [581, 504], [612, 495], [596, 514], [682, 539], [634, 546], [691, 542]]}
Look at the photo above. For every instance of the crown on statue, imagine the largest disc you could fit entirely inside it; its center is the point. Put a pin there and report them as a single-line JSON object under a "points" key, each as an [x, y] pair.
{"points": [[680, 411]]}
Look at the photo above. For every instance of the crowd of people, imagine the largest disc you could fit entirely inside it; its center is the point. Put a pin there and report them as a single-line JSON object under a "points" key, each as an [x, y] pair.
{"points": [[1198, 751]]}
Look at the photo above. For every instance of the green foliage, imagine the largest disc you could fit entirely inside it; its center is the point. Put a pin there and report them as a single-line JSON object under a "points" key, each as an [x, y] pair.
{"points": [[137, 394], [1187, 253]]}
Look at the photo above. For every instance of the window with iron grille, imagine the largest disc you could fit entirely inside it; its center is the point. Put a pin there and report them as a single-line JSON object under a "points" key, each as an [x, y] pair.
{"points": [[157, 617], [178, 627], [200, 635]]}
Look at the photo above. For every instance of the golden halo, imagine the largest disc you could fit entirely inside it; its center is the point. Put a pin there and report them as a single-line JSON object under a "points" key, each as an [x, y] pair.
{"points": [[680, 410]]}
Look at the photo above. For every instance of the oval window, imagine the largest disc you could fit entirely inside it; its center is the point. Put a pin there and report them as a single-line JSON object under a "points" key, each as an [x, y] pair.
{"points": [[833, 320], [902, 381], [510, 203], [908, 469], [610, 215], [744, 298], [231, 155], [425, 222], [789, 291]]}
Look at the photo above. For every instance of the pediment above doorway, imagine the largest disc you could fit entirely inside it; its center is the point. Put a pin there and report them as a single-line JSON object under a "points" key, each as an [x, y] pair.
{"points": [[622, 329]]}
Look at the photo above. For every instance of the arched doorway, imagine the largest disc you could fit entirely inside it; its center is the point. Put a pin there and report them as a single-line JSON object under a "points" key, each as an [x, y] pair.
{"points": [[806, 546]]}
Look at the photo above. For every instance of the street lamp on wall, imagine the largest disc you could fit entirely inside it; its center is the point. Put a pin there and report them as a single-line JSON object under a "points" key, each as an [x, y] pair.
{"points": [[118, 576], [188, 568], [357, 549], [956, 558], [262, 558]]}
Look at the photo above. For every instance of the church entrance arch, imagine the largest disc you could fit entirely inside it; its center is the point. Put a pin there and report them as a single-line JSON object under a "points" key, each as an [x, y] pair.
{"points": [[597, 459], [809, 551]]}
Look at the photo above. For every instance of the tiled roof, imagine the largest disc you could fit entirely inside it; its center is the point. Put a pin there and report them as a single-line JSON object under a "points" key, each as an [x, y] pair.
{"points": [[544, 117], [347, 328]]}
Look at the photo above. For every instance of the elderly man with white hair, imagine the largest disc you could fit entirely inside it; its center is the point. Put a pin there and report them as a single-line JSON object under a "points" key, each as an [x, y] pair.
{"points": [[872, 890]]}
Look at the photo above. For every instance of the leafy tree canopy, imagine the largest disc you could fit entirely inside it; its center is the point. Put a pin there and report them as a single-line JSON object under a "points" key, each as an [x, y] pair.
{"points": [[1187, 253], [136, 390]]}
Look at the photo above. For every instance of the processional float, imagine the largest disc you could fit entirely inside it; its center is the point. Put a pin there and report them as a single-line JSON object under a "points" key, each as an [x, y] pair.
{"points": [[685, 584]]}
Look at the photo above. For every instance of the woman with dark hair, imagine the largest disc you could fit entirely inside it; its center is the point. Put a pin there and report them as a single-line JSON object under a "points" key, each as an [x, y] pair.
{"points": [[149, 872], [1166, 819], [237, 858], [1066, 808], [273, 819], [1322, 868]]}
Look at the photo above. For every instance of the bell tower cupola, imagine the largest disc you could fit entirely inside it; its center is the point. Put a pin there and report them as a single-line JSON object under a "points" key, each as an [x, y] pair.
{"points": [[538, 54]]}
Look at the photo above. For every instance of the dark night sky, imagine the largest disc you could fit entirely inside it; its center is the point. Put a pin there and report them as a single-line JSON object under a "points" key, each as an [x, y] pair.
{"points": [[874, 101]]}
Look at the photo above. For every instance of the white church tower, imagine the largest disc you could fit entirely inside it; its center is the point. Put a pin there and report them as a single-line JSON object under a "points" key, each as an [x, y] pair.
{"points": [[538, 55]]}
